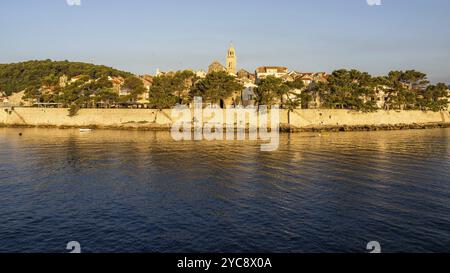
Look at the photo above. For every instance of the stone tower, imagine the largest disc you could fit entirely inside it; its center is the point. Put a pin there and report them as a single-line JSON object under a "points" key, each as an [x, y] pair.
{"points": [[231, 60]]}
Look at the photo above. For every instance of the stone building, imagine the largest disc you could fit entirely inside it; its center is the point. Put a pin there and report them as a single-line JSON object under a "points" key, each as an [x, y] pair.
{"points": [[63, 81], [310, 77], [147, 80], [216, 66], [200, 74], [275, 71], [117, 83], [246, 76], [248, 94], [160, 73], [231, 63], [231, 60], [381, 96]]}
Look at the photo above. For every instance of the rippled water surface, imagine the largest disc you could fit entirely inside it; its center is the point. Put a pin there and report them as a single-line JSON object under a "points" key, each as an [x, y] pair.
{"points": [[126, 191]]}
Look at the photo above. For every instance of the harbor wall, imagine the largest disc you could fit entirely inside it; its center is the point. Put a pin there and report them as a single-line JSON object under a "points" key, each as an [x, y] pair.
{"points": [[334, 117], [154, 119]]}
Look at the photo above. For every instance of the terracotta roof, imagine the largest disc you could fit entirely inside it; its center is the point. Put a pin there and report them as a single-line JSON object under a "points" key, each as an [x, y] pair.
{"points": [[263, 69], [117, 80]]}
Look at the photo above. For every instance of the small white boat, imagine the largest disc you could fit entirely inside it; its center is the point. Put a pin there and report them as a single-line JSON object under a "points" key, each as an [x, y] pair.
{"points": [[85, 130]]}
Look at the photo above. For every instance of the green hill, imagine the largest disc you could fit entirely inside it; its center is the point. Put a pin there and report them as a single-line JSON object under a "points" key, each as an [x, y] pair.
{"points": [[16, 77]]}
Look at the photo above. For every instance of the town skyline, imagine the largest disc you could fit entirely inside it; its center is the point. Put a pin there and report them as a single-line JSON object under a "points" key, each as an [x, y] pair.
{"points": [[141, 36]]}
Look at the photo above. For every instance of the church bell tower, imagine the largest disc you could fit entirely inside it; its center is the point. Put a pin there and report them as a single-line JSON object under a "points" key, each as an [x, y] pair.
{"points": [[231, 60]]}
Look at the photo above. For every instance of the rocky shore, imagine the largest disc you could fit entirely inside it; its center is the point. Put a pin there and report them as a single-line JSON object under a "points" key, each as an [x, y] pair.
{"points": [[387, 127], [285, 128]]}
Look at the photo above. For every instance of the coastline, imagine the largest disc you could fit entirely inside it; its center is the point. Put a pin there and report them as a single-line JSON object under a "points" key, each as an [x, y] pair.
{"points": [[305, 120], [284, 128], [361, 128]]}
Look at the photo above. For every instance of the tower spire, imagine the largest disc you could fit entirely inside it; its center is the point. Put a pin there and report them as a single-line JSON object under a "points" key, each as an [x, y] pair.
{"points": [[231, 59]]}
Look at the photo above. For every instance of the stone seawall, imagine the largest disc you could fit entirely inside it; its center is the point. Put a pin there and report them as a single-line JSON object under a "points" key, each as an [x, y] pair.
{"points": [[147, 119], [100, 118], [345, 118]]}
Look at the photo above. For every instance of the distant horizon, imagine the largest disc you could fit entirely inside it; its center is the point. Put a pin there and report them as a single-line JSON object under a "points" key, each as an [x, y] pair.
{"points": [[140, 36]]}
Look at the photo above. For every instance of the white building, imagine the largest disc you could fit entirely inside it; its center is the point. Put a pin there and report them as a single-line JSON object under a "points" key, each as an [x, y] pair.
{"points": [[248, 94], [201, 74], [275, 71], [381, 96]]}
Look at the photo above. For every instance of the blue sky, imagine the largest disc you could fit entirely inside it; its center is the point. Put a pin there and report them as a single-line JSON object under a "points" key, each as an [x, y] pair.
{"points": [[314, 35]]}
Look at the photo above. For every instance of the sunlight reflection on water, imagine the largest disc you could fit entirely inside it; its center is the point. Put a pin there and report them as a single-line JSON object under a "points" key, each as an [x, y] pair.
{"points": [[133, 191]]}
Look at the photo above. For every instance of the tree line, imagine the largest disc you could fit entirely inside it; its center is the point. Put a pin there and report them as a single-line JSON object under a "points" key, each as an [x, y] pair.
{"points": [[17, 77], [85, 92], [342, 89], [181, 87], [355, 90]]}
